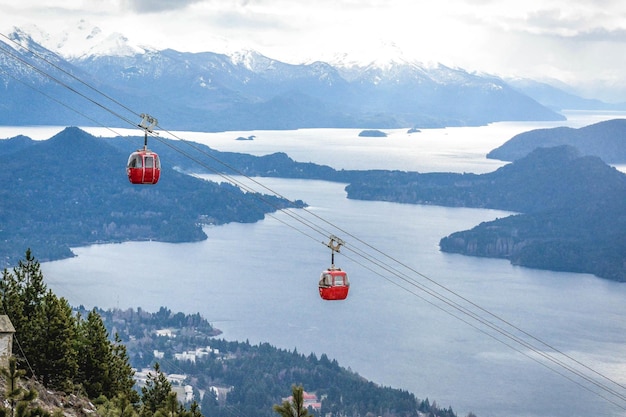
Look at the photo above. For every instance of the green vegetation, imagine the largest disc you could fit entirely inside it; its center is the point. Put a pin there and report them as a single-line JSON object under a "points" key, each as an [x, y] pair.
{"points": [[63, 351], [68, 353]]}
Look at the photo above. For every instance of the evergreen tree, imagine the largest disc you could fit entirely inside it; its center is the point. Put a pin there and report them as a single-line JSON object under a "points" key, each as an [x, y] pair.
{"points": [[12, 301], [62, 350], [194, 410], [95, 357], [155, 393], [295, 408], [121, 372], [119, 406], [170, 407], [23, 292], [58, 354]]}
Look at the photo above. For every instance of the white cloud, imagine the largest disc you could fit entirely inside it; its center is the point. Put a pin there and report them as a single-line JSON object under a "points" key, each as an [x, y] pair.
{"points": [[578, 41], [155, 6]]}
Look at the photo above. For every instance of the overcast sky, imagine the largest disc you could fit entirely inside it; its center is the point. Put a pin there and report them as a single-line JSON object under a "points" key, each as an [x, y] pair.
{"points": [[580, 42]]}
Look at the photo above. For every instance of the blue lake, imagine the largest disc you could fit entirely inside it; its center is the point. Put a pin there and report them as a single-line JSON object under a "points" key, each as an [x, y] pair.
{"points": [[259, 282]]}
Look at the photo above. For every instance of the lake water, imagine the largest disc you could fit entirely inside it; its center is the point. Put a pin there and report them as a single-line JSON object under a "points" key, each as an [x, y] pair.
{"points": [[259, 282]]}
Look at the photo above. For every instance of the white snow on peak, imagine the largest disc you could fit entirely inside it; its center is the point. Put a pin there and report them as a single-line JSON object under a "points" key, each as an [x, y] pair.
{"points": [[83, 40], [250, 59], [382, 54]]}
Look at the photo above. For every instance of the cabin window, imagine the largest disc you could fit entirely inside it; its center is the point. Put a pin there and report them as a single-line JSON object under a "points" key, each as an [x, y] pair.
{"points": [[135, 161], [326, 280]]}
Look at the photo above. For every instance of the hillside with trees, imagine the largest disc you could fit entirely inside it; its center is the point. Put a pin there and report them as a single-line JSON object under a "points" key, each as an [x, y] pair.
{"points": [[606, 140], [62, 351], [573, 210], [255, 376], [90, 355], [72, 190]]}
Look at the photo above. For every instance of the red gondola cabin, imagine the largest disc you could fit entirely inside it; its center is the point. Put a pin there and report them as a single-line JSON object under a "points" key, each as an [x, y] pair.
{"points": [[144, 167], [334, 284]]}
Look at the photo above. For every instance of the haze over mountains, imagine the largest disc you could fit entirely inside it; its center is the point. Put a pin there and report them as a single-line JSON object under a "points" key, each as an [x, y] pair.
{"points": [[239, 91]]}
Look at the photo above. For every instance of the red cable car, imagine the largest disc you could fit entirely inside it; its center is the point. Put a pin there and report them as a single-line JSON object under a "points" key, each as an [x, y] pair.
{"points": [[334, 284], [144, 166]]}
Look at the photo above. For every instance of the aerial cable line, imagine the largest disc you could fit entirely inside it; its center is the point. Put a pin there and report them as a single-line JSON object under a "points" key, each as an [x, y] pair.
{"points": [[187, 155], [509, 345], [69, 87], [498, 330], [61, 103], [462, 309], [230, 179], [474, 315], [68, 73], [323, 219], [367, 256]]}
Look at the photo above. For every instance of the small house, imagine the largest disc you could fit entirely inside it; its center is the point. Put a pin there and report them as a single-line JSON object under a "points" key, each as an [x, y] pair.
{"points": [[6, 340]]}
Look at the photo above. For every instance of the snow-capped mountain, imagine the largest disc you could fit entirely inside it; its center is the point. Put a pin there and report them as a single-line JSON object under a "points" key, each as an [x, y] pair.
{"points": [[246, 90], [83, 40], [383, 55]]}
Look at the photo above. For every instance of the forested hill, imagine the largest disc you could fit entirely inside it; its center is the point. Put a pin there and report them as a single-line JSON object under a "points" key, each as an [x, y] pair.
{"points": [[251, 378], [72, 190], [573, 210], [605, 139]]}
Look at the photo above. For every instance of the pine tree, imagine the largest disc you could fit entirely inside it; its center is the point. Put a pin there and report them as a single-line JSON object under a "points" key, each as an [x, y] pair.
{"points": [[95, 357], [295, 408], [62, 350], [122, 373], [22, 295], [155, 393], [170, 408], [44, 324], [119, 406], [12, 300], [59, 362], [194, 410]]}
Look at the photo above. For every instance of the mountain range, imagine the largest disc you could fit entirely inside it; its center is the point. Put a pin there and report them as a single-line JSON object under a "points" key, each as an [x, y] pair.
{"points": [[46, 84]]}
